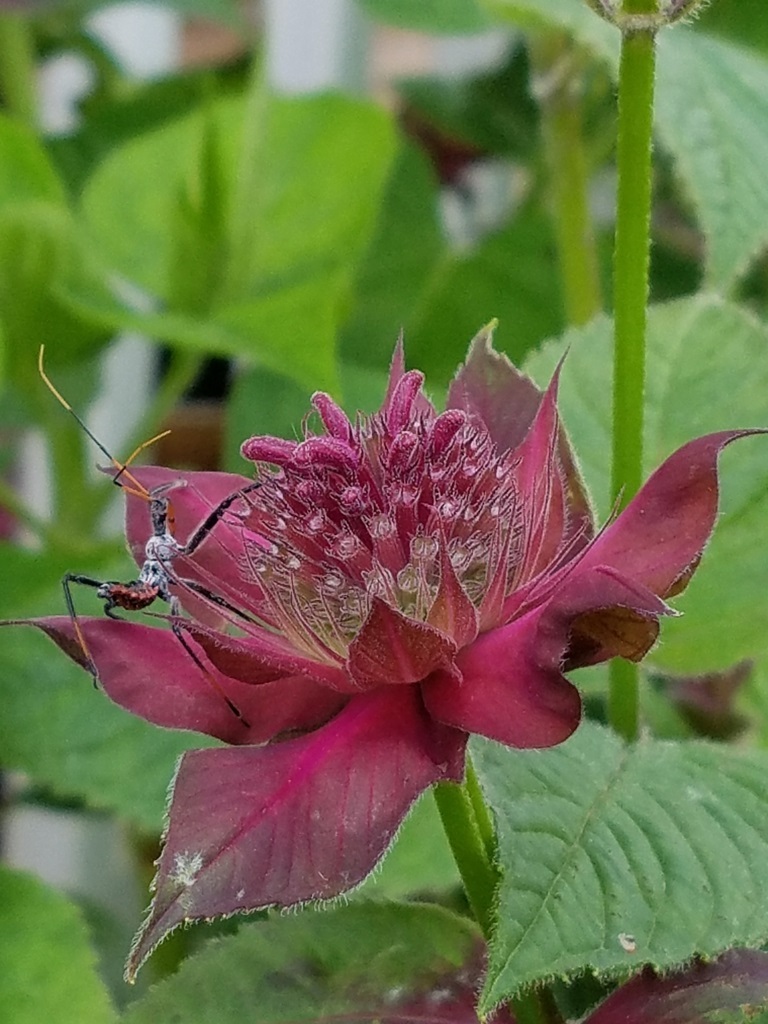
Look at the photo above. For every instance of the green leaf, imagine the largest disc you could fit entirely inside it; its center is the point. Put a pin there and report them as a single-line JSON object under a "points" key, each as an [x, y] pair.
{"points": [[572, 15], [307, 225], [743, 21], [403, 252], [510, 275], [48, 969], [706, 371], [130, 199], [26, 173], [40, 252], [315, 212], [712, 116], [366, 962], [615, 856], [269, 331], [438, 16], [66, 735]]}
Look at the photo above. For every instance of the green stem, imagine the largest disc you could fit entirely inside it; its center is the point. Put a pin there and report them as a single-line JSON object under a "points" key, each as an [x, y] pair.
{"points": [[18, 71], [483, 819], [557, 85], [470, 834], [478, 873], [631, 263]]}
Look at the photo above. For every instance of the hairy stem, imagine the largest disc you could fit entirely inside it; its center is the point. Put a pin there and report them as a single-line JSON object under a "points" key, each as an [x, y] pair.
{"points": [[477, 870], [631, 264], [468, 827]]}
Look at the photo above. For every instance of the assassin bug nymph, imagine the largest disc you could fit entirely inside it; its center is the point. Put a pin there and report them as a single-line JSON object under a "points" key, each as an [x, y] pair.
{"points": [[155, 576]]}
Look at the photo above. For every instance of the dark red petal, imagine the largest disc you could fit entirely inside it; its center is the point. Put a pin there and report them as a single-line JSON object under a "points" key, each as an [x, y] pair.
{"points": [[452, 613], [538, 478], [147, 671], [488, 386], [391, 648], [736, 981], [659, 537], [259, 659], [503, 693], [295, 821], [512, 688]]}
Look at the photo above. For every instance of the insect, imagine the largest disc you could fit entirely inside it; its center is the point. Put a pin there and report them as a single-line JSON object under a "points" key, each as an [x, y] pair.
{"points": [[155, 576]]}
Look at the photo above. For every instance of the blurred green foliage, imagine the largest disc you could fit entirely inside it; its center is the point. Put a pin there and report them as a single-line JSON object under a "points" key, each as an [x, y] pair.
{"points": [[296, 237]]}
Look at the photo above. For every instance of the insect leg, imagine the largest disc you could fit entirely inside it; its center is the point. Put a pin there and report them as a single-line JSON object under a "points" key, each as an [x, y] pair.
{"points": [[86, 581], [214, 516], [216, 599], [178, 632]]}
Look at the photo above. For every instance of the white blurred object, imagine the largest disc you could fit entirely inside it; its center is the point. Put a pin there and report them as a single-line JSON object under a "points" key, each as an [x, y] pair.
{"points": [[145, 38], [314, 45], [459, 56], [63, 80]]}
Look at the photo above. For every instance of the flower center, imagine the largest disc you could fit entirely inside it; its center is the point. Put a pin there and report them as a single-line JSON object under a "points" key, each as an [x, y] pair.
{"points": [[344, 519]]}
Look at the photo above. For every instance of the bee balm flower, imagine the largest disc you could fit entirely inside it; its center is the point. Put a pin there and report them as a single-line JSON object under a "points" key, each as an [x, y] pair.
{"points": [[395, 584]]}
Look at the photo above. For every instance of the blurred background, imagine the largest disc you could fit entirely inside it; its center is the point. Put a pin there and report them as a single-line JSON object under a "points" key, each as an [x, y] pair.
{"points": [[210, 209]]}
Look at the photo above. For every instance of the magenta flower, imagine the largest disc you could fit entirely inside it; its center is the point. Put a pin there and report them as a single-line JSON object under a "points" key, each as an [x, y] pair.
{"points": [[399, 583]]}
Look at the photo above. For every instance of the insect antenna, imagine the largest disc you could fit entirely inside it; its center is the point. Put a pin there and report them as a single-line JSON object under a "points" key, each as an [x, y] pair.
{"points": [[137, 489]]}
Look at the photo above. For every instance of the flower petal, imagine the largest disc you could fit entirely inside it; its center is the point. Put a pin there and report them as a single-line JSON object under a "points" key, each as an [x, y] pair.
{"points": [[147, 671], [736, 981], [295, 821], [488, 386], [452, 612], [507, 401], [660, 536], [512, 688], [261, 658], [391, 648]]}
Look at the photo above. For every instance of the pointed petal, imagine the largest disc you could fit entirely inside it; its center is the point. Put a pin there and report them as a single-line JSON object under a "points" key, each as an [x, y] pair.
{"points": [[148, 672], [391, 648], [300, 820], [262, 657], [452, 613], [660, 536], [537, 475], [488, 386], [512, 688]]}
